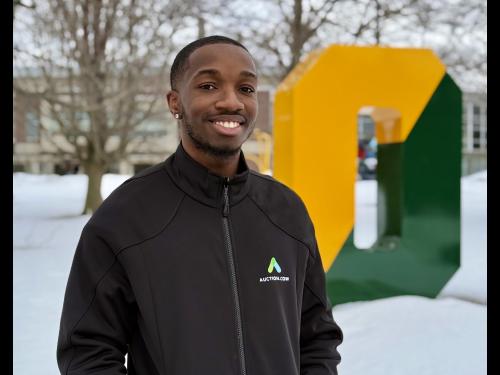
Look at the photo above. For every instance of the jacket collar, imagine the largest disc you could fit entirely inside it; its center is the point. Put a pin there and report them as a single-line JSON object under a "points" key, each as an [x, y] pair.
{"points": [[202, 185]]}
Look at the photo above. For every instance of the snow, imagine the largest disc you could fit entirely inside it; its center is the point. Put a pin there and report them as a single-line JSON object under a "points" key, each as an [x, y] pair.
{"points": [[409, 335], [405, 335], [47, 226], [365, 227], [469, 282]]}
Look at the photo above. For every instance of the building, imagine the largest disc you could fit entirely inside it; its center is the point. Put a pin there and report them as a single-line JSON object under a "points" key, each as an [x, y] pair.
{"points": [[40, 148], [37, 152], [474, 132]]}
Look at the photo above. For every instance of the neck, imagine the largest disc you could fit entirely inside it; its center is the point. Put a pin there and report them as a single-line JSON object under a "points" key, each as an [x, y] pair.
{"points": [[225, 167]]}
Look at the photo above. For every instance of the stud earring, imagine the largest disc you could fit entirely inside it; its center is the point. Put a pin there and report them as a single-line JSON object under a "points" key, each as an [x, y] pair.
{"points": [[176, 115]]}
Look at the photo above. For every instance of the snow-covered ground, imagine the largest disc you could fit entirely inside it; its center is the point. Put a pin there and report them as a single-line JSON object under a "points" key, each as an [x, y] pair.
{"points": [[404, 335]]}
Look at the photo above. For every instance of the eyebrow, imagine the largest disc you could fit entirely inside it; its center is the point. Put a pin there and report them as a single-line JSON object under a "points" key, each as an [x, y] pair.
{"points": [[215, 72]]}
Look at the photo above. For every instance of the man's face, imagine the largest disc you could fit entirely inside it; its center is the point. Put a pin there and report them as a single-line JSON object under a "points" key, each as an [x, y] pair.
{"points": [[217, 97]]}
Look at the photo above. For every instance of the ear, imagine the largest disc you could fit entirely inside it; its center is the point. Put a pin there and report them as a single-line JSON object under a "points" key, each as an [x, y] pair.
{"points": [[174, 102]]}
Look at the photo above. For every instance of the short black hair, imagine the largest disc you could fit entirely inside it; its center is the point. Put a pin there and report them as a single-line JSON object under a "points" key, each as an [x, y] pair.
{"points": [[180, 62]]}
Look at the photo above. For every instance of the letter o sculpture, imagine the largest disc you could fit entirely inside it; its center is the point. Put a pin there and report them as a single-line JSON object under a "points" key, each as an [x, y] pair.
{"points": [[417, 111]]}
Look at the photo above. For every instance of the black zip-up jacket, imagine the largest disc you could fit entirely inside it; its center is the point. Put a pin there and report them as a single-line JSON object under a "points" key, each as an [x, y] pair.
{"points": [[194, 274]]}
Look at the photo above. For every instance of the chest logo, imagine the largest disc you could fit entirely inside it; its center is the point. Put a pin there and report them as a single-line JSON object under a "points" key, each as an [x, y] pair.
{"points": [[273, 266]]}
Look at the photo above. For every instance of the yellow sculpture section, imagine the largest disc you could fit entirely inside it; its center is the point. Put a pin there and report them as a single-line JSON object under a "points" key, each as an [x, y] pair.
{"points": [[315, 124], [258, 151]]}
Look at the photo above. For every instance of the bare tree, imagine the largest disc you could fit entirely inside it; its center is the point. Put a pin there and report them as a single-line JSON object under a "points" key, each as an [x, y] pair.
{"points": [[281, 31], [21, 4], [456, 30], [284, 31], [100, 66], [206, 18]]}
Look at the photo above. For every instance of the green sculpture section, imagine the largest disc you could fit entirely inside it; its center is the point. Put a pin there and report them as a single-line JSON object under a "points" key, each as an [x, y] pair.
{"points": [[418, 245]]}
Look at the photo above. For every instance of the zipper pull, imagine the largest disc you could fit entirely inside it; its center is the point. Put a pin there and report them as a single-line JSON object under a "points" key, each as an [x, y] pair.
{"points": [[225, 210]]}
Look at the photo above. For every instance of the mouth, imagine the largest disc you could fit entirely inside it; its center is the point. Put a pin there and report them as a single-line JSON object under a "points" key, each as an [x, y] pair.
{"points": [[228, 121], [228, 125]]}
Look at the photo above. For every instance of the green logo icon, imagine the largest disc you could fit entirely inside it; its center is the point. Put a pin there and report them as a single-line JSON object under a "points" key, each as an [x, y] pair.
{"points": [[273, 264]]}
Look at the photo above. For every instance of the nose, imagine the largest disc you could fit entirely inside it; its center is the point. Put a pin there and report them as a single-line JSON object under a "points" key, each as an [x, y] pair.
{"points": [[229, 101]]}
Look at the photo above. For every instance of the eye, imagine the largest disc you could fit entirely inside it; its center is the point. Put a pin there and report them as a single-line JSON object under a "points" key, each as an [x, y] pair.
{"points": [[247, 89], [207, 86]]}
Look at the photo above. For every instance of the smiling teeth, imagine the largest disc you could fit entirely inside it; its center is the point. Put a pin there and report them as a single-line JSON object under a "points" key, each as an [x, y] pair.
{"points": [[228, 124]]}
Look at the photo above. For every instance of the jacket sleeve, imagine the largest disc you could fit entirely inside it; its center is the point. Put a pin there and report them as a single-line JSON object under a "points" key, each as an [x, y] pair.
{"points": [[98, 311], [319, 335]]}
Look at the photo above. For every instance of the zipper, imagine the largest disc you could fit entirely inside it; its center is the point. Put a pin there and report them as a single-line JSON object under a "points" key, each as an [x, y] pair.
{"points": [[234, 286]]}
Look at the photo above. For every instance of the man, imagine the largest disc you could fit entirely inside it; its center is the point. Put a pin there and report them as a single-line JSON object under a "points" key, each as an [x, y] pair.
{"points": [[199, 265]]}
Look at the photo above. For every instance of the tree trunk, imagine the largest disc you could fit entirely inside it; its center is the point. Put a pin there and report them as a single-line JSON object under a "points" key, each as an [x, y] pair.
{"points": [[94, 172], [377, 23]]}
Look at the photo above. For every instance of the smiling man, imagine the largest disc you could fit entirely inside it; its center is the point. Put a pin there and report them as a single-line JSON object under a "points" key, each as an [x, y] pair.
{"points": [[199, 265], [214, 96]]}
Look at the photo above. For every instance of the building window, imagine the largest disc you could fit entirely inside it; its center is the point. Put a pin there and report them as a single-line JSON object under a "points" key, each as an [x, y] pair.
{"points": [[32, 127], [19, 168], [152, 127], [476, 144], [478, 127], [484, 127], [83, 121], [366, 127]]}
